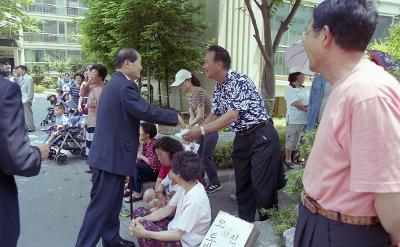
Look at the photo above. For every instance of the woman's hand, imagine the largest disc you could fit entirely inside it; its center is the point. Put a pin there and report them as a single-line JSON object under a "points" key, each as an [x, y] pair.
{"points": [[137, 230]]}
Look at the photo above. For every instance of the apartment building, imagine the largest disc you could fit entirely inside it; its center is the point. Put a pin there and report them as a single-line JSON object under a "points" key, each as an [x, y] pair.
{"points": [[56, 39]]}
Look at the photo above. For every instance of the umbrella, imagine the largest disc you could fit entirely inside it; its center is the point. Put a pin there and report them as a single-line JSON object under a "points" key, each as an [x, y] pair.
{"points": [[296, 58], [383, 59]]}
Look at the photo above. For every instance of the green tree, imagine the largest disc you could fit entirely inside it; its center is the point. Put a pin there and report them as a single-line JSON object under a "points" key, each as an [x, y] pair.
{"points": [[13, 18], [267, 44], [390, 45], [167, 33]]}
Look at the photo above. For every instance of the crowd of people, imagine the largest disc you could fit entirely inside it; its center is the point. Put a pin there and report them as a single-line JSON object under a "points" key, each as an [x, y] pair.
{"points": [[351, 181]]}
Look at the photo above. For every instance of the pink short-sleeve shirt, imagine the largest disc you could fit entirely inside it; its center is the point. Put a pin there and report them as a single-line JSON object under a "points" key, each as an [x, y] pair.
{"points": [[356, 152]]}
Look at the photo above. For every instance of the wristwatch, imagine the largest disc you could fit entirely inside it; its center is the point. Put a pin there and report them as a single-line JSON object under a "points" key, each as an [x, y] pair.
{"points": [[203, 132]]}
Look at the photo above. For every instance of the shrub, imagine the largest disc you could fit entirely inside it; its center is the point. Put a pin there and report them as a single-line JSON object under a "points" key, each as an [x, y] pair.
{"points": [[223, 155], [39, 89], [286, 217], [282, 218], [49, 82]]}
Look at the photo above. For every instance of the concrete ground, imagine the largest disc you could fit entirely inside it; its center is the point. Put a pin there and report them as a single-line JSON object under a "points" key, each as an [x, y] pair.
{"points": [[52, 204]]}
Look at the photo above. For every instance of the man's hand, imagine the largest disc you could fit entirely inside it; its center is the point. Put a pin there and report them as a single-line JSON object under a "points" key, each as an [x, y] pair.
{"points": [[44, 150], [193, 134]]}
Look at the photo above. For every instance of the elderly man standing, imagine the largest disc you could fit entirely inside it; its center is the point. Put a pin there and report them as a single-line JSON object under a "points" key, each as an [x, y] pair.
{"points": [[113, 153], [352, 177], [256, 154], [27, 89]]}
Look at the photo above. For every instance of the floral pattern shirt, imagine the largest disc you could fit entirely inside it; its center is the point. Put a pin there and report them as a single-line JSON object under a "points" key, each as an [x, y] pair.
{"points": [[238, 92], [148, 152]]}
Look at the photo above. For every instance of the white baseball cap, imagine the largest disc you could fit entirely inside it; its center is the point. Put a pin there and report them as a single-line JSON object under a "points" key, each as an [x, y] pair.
{"points": [[180, 77]]}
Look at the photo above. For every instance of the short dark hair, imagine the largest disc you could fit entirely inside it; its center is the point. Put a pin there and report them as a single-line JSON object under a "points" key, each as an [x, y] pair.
{"points": [[294, 76], [221, 55], [80, 75], [101, 69], [126, 54], [169, 145], [187, 164], [59, 90], [352, 23], [59, 106], [22, 67], [149, 128]]}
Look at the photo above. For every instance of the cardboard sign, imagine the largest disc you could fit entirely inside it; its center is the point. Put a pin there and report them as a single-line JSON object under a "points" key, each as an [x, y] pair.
{"points": [[230, 231]]}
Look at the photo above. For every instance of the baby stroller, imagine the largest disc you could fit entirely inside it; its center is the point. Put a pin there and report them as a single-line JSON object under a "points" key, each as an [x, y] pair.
{"points": [[70, 138], [50, 117]]}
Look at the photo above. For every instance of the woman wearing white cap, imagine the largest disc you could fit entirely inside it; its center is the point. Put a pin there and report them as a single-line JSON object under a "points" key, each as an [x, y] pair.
{"points": [[199, 108]]}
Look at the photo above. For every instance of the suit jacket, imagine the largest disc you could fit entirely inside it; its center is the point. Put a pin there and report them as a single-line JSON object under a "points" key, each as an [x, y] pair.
{"points": [[116, 138], [17, 157], [27, 88]]}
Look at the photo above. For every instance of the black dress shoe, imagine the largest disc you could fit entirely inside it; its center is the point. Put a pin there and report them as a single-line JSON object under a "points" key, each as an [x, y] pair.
{"points": [[122, 243]]}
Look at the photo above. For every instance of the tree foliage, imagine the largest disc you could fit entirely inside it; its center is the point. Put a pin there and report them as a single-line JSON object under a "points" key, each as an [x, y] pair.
{"points": [[167, 33], [13, 18], [269, 45], [390, 45]]}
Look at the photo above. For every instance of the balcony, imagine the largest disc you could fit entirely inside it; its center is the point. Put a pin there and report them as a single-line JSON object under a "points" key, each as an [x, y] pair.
{"points": [[52, 9], [50, 38]]}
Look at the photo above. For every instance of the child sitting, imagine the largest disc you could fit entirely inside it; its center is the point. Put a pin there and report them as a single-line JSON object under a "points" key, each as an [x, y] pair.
{"points": [[60, 94], [165, 191], [61, 121], [148, 165]]}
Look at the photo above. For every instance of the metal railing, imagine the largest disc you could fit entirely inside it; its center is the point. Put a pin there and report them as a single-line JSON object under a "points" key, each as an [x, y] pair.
{"points": [[54, 9], [50, 38]]}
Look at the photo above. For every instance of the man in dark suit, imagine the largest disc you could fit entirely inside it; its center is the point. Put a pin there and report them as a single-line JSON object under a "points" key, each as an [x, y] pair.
{"points": [[17, 157], [114, 149]]}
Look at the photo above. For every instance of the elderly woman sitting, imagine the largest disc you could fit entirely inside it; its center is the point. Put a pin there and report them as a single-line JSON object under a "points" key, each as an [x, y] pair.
{"points": [[190, 205]]}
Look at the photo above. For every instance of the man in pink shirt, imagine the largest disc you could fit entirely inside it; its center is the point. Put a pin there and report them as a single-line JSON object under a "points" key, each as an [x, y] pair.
{"points": [[352, 177]]}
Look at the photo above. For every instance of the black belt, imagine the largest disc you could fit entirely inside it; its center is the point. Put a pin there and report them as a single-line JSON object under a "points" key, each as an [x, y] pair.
{"points": [[252, 129]]}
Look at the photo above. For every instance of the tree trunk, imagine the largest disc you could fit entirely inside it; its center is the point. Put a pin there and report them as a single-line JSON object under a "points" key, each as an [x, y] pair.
{"points": [[268, 87], [159, 92], [148, 86], [166, 84]]}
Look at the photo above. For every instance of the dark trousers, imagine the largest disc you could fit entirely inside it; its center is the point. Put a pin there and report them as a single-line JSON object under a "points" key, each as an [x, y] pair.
{"points": [[257, 161], [314, 230], [206, 152], [144, 173], [102, 215]]}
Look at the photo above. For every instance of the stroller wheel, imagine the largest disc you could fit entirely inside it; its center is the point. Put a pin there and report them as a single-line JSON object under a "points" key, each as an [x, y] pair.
{"points": [[52, 154], [75, 151], [61, 159]]}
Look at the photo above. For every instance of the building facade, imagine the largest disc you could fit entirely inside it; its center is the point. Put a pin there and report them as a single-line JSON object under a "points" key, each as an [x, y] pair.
{"points": [[234, 30], [56, 40]]}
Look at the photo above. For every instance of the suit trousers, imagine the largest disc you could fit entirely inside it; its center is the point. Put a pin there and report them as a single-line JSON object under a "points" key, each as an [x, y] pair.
{"points": [[206, 152], [28, 114], [102, 215], [257, 162], [314, 230]]}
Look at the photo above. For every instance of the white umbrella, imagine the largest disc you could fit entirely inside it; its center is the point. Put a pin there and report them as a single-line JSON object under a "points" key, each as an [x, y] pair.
{"points": [[296, 59]]}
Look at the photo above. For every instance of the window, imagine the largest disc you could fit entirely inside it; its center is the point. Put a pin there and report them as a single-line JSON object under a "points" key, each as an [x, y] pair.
{"points": [[280, 68], [74, 55], [61, 27], [38, 55], [50, 27], [72, 28], [382, 29]]}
